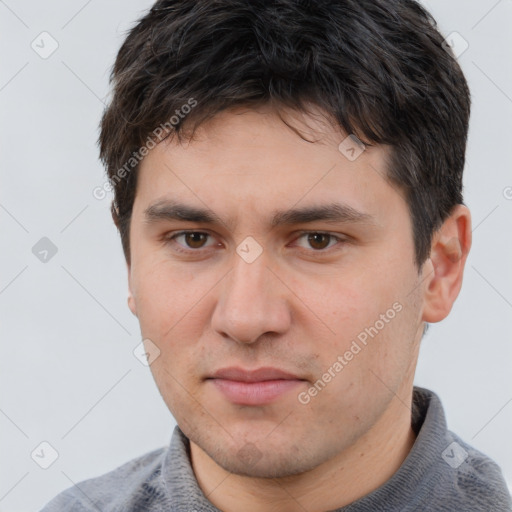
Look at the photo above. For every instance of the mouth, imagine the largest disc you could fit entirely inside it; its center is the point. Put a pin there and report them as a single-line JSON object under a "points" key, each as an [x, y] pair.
{"points": [[254, 387]]}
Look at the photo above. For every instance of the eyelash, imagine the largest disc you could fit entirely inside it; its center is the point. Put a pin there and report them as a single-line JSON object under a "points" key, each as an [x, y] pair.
{"points": [[180, 248]]}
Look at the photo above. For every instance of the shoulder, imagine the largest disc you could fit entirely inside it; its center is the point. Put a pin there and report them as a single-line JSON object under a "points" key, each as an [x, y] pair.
{"points": [[126, 488], [473, 478], [450, 474]]}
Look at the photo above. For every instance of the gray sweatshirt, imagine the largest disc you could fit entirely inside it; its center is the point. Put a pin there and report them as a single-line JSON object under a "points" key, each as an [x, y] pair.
{"points": [[441, 473]]}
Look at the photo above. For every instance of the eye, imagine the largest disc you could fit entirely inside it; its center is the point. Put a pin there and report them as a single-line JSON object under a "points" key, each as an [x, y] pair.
{"points": [[319, 241], [191, 240], [194, 241]]}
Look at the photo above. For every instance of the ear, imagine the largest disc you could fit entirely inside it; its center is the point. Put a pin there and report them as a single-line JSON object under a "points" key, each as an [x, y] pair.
{"points": [[443, 271], [131, 299], [114, 212]]}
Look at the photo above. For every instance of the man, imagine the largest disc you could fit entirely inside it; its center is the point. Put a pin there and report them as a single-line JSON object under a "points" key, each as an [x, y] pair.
{"points": [[288, 191]]}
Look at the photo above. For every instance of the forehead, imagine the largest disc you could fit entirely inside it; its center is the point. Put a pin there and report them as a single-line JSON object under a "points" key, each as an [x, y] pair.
{"points": [[252, 162]]}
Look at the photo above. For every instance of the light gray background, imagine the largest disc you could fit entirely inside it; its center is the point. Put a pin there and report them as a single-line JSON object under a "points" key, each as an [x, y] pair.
{"points": [[68, 374]]}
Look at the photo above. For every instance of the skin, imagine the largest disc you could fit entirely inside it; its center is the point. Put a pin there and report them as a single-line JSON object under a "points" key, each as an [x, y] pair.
{"points": [[297, 307]]}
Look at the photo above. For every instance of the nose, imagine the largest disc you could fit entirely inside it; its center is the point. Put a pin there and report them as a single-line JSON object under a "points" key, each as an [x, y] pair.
{"points": [[251, 302]]}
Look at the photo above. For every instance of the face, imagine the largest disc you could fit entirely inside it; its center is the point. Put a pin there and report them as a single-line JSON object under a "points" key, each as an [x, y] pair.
{"points": [[276, 276]]}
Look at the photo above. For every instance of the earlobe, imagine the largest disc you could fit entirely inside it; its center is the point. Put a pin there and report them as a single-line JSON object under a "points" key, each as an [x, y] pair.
{"points": [[444, 270], [131, 299], [131, 303]]}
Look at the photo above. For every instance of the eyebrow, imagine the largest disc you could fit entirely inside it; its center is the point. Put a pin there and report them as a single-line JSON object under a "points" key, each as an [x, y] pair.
{"points": [[334, 212]]}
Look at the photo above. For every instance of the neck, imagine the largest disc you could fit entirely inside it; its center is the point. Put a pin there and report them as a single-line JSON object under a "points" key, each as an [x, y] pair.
{"points": [[343, 479]]}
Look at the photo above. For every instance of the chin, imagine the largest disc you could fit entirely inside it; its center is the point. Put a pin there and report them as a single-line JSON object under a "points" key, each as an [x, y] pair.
{"points": [[250, 461]]}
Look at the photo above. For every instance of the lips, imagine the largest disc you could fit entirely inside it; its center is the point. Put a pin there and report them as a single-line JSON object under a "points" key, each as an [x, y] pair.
{"points": [[254, 387], [258, 375]]}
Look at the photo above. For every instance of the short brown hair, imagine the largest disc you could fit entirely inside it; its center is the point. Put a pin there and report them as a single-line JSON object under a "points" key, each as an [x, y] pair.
{"points": [[379, 68]]}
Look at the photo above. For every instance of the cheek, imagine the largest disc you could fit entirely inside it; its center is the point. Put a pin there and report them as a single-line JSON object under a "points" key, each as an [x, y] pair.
{"points": [[167, 298], [174, 308], [373, 334], [350, 307]]}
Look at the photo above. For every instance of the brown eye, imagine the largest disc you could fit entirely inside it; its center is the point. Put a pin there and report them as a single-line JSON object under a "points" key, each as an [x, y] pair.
{"points": [[195, 240], [191, 241], [319, 240]]}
